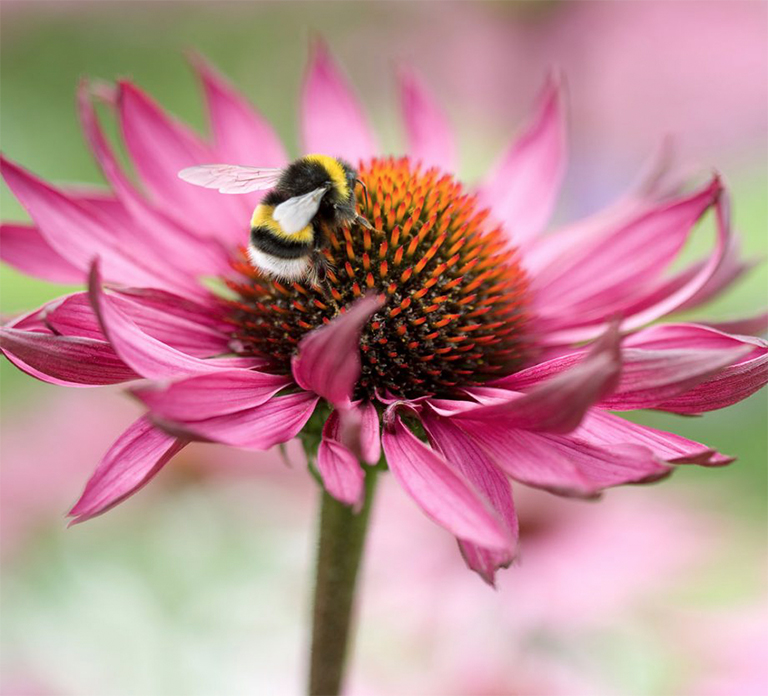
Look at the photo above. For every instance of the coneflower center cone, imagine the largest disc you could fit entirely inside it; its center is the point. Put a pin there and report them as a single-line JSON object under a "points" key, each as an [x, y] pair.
{"points": [[456, 295]]}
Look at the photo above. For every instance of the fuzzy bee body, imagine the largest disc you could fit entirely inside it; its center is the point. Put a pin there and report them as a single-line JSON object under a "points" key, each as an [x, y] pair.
{"points": [[311, 193]]}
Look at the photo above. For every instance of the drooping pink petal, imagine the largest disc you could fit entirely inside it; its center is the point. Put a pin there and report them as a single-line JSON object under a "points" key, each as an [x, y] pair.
{"points": [[207, 396], [370, 439], [443, 494], [258, 428], [75, 232], [64, 360], [558, 404], [332, 119], [564, 463], [606, 430], [132, 462], [460, 450], [616, 275], [241, 135], [429, 134], [152, 229], [145, 354], [160, 148], [27, 250], [340, 470], [328, 360], [522, 189]]}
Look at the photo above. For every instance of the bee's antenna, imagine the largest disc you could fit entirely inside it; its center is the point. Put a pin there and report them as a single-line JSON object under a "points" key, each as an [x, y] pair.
{"points": [[365, 191]]}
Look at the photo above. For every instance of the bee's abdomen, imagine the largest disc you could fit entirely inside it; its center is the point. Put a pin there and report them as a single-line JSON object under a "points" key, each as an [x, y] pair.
{"points": [[263, 239]]}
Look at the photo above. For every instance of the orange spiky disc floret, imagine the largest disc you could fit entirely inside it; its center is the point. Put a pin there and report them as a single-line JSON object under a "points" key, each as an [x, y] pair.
{"points": [[456, 295]]}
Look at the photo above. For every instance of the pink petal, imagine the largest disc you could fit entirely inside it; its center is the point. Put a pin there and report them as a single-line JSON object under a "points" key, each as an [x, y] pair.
{"points": [[755, 325], [160, 147], [563, 463], [656, 182], [370, 438], [332, 119], [460, 450], [429, 134], [207, 396], [76, 232], [731, 385], [240, 133], [606, 430], [340, 470], [148, 356], [523, 188], [558, 404], [328, 361], [64, 360], [132, 462], [443, 494], [24, 248], [664, 361], [258, 428], [75, 317], [626, 266], [358, 430], [152, 229]]}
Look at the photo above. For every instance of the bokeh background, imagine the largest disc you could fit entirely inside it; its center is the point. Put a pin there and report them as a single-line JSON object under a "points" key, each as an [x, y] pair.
{"points": [[200, 583]]}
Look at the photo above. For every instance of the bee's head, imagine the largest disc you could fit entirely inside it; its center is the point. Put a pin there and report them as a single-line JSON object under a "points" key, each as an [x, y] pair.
{"points": [[350, 175]]}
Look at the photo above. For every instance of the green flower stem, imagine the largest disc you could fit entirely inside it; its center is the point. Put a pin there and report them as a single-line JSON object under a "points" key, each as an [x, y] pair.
{"points": [[342, 538]]}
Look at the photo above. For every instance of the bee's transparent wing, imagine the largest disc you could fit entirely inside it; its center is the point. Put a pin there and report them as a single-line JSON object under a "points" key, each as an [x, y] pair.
{"points": [[296, 213], [231, 178]]}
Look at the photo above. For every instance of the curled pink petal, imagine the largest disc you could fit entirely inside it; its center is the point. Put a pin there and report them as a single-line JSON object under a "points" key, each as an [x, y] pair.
{"points": [[332, 118], [460, 450], [370, 439], [605, 290], [558, 404], [523, 188], [328, 361], [339, 468], [148, 356], [27, 250], [240, 133], [132, 462], [258, 428], [64, 360], [430, 137], [207, 396], [607, 430], [443, 494], [75, 317]]}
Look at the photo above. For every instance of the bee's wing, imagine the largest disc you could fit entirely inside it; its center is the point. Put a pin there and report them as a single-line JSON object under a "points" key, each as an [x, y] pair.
{"points": [[296, 213], [231, 178]]}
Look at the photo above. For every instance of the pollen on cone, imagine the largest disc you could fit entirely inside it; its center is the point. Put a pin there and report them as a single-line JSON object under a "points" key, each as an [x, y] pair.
{"points": [[456, 295]]}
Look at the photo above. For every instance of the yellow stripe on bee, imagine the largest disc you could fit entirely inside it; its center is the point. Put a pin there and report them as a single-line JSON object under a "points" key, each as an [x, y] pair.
{"points": [[262, 217], [335, 170]]}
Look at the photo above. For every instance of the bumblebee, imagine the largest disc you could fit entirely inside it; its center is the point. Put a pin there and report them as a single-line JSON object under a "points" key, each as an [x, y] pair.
{"points": [[287, 235]]}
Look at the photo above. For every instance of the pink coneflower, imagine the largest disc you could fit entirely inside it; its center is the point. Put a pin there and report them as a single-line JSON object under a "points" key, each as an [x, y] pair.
{"points": [[472, 347]]}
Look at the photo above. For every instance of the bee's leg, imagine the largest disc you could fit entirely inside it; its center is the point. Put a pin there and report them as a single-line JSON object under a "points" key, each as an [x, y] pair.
{"points": [[363, 222]]}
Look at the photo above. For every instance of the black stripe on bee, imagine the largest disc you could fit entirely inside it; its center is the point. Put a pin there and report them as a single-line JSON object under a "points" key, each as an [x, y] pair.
{"points": [[263, 239]]}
